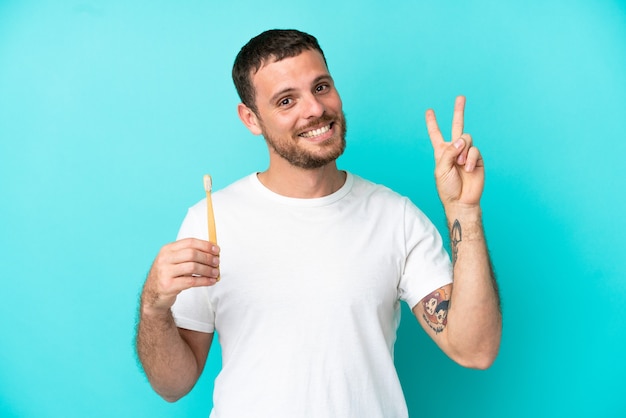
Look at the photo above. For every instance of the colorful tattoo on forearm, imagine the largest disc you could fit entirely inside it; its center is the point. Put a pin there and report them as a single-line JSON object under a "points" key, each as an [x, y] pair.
{"points": [[436, 306]]}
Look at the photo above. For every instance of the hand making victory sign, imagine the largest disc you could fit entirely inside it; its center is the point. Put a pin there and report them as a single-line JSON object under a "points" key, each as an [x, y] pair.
{"points": [[459, 168], [473, 329]]}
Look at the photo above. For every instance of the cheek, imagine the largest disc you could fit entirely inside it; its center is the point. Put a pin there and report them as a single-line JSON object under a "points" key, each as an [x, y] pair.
{"points": [[429, 307], [286, 126], [336, 105], [280, 121]]}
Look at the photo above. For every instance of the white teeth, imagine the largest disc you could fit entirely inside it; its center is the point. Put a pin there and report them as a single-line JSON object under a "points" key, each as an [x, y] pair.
{"points": [[315, 132]]}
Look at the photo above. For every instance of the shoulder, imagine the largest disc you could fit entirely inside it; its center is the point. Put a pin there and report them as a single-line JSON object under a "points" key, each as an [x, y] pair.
{"points": [[236, 190], [388, 200], [367, 189]]}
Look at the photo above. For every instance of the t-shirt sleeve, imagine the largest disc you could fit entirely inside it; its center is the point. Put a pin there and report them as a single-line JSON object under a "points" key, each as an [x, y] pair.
{"points": [[192, 309], [427, 266]]}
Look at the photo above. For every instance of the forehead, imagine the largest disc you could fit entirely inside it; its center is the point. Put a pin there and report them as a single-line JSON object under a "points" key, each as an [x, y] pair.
{"points": [[289, 73]]}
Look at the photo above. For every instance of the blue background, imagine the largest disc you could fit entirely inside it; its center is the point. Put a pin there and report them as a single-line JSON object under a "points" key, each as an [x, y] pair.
{"points": [[111, 112]]}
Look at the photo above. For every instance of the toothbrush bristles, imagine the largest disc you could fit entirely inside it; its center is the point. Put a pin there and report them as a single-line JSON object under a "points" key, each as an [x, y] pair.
{"points": [[208, 183]]}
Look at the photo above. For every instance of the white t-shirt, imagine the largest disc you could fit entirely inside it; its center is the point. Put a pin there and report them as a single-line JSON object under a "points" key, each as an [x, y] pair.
{"points": [[309, 299]]}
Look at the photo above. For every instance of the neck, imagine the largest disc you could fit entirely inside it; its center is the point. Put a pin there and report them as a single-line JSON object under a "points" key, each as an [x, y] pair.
{"points": [[303, 183]]}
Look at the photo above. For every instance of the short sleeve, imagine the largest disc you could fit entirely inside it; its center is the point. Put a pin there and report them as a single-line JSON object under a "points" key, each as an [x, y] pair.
{"points": [[427, 265]]}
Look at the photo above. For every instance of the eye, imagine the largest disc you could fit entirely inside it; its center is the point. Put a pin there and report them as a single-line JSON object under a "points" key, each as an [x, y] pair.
{"points": [[285, 102], [320, 88]]}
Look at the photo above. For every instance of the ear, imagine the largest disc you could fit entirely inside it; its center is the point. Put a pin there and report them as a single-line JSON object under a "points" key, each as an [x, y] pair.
{"points": [[249, 118]]}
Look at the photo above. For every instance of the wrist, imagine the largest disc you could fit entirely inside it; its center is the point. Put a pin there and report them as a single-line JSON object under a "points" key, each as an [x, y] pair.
{"points": [[155, 313], [466, 221], [463, 213]]}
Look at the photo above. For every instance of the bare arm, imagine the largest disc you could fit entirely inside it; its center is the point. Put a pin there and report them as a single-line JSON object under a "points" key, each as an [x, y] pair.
{"points": [[464, 318], [466, 321], [174, 358]]}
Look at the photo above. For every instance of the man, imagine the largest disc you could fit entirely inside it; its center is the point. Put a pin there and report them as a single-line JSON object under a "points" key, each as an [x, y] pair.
{"points": [[313, 261]]}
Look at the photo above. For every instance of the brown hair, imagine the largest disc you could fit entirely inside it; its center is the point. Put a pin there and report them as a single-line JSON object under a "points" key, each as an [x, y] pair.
{"points": [[274, 44]]}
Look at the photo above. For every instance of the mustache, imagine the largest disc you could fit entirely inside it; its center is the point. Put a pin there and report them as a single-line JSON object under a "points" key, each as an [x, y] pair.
{"points": [[322, 120]]}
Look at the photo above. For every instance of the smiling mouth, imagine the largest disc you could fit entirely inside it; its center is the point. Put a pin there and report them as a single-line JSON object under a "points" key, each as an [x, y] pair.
{"points": [[316, 132]]}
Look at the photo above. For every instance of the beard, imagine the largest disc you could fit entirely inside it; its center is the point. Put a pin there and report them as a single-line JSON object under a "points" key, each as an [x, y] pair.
{"points": [[299, 156]]}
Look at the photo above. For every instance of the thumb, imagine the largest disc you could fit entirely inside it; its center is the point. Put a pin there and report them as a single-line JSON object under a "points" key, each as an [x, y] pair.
{"points": [[451, 152]]}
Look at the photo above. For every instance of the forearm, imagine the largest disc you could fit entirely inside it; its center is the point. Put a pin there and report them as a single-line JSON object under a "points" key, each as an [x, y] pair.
{"points": [[167, 359], [474, 317]]}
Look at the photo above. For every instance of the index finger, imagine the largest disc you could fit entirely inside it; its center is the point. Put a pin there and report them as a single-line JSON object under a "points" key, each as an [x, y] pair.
{"points": [[433, 128], [197, 244], [457, 118]]}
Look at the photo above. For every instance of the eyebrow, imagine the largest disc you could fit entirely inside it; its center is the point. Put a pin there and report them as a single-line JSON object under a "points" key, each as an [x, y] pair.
{"points": [[275, 97], [323, 77]]}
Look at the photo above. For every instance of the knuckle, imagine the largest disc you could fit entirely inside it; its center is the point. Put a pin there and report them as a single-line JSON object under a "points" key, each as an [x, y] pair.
{"points": [[189, 281], [188, 268], [188, 254]]}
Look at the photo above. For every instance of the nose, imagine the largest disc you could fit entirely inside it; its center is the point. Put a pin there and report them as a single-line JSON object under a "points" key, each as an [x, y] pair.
{"points": [[312, 107]]}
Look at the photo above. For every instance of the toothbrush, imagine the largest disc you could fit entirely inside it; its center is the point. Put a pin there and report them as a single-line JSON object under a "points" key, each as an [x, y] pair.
{"points": [[208, 184]]}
